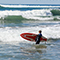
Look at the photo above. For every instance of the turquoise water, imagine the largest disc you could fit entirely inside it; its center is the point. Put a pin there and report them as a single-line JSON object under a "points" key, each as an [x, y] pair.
{"points": [[29, 18]]}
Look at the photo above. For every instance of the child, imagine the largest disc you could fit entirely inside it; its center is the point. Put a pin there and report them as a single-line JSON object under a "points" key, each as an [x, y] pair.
{"points": [[38, 37]]}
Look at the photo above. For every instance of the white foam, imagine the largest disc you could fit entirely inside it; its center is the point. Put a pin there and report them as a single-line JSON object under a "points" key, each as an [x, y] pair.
{"points": [[13, 34], [52, 32], [33, 14]]}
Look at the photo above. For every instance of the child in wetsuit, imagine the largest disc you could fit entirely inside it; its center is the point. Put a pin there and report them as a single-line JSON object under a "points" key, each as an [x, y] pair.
{"points": [[38, 37]]}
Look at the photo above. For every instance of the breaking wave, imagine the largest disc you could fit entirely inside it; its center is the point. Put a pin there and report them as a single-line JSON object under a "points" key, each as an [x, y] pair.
{"points": [[43, 14]]}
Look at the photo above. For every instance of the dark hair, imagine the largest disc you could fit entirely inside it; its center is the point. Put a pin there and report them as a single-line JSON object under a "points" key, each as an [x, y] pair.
{"points": [[40, 31]]}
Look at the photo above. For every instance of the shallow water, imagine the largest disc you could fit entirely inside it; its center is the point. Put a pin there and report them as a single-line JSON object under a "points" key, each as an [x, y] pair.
{"points": [[30, 51]]}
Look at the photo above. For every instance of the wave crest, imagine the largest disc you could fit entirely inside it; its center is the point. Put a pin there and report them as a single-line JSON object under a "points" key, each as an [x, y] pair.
{"points": [[43, 14], [33, 14]]}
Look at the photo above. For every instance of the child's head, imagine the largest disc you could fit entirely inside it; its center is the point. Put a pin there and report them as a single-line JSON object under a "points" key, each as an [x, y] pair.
{"points": [[40, 31]]}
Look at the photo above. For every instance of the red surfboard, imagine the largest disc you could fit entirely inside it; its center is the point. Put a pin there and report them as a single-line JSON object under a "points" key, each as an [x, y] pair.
{"points": [[31, 37]]}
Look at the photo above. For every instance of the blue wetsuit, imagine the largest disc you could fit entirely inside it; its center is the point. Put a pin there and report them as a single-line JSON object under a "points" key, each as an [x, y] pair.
{"points": [[38, 38]]}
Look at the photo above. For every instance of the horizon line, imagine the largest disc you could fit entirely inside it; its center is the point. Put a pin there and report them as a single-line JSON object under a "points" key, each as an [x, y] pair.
{"points": [[30, 3]]}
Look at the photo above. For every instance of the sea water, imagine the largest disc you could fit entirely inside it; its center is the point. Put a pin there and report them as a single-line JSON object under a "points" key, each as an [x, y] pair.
{"points": [[29, 18]]}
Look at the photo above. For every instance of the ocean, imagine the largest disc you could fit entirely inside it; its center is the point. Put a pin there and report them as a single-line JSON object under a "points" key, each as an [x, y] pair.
{"points": [[29, 18]]}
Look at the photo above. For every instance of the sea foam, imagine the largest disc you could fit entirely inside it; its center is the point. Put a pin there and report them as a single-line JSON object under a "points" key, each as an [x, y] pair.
{"points": [[33, 14]]}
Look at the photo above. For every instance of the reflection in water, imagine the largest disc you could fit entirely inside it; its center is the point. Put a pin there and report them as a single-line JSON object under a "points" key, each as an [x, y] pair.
{"points": [[33, 50]]}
